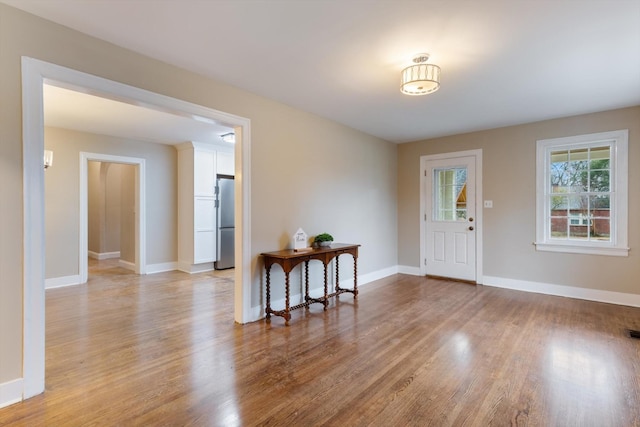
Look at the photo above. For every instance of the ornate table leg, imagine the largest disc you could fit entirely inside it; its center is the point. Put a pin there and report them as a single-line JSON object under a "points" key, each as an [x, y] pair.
{"points": [[306, 283], [325, 302], [338, 289], [287, 314], [355, 277], [268, 310]]}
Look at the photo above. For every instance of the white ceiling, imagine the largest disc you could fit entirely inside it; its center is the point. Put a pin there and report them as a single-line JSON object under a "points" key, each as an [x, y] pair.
{"points": [[69, 109], [503, 62]]}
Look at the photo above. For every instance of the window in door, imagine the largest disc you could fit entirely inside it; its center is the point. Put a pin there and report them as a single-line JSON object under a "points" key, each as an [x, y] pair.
{"points": [[450, 195]]}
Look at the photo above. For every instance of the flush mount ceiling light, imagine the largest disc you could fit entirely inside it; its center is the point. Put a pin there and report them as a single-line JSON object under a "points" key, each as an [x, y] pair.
{"points": [[229, 137], [421, 78]]}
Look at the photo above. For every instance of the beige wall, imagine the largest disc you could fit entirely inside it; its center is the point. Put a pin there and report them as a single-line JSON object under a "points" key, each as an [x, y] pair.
{"points": [[62, 198], [113, 184], [113, 204], [509, 165], [167, 239], [94, 214], [104, 205], [306, 171]]}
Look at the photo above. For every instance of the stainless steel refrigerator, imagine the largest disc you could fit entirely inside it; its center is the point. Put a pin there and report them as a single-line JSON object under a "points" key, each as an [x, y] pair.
{"points": [[225, 223]]}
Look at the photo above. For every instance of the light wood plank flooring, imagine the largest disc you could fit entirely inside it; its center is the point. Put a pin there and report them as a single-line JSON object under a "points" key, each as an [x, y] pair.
{"points": [[163, 350]]}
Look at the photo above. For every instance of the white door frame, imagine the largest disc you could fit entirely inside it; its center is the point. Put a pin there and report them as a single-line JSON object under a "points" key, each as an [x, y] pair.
{"points": [[140, 209], [34, 74], [478, 208]]}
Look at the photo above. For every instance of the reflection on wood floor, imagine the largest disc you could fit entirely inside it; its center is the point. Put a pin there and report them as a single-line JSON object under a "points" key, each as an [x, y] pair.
{"points": [[163, 350]]}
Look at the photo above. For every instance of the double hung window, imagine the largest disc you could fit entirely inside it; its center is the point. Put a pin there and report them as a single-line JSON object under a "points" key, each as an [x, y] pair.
{"points": [[582, 194]]}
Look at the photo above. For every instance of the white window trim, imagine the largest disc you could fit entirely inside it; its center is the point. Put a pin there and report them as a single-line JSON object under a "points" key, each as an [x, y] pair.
{"points": [[618, 246]]}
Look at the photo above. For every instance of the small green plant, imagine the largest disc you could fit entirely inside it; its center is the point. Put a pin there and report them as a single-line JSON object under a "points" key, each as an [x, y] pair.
{"points": [[324, 237]]}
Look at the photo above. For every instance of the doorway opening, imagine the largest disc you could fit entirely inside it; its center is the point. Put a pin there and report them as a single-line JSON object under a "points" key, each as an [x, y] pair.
{"points": [[112, 211], [35, 73], [110, 205]]}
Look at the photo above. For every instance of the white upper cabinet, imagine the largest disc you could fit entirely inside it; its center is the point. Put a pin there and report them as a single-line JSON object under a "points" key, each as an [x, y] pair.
{"points": [[225, 163], [204, 172]]}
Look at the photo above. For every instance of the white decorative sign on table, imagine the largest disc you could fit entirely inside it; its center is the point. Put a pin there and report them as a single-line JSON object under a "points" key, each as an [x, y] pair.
{"points": [[300, 240]]}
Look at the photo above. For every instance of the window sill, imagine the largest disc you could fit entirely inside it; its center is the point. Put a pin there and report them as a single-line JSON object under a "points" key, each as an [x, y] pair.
{"points": [[579, 249]]}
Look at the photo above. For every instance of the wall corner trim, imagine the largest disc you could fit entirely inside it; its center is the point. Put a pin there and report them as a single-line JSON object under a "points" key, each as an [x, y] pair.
{"points": [[162, 267], [407, 269], [11, 392], [127, 265], [104, 255], [59, 282], [187, 267]]}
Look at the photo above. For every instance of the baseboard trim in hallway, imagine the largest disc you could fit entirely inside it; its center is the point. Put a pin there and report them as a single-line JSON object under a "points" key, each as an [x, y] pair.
{"points": [[59, 282]]}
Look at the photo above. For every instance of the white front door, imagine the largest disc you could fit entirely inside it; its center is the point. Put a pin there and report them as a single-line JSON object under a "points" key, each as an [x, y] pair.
{"points": [[450, 217]]}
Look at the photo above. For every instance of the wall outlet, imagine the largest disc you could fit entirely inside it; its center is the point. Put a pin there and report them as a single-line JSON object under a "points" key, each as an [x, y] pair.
{"points": [[488, 203]]}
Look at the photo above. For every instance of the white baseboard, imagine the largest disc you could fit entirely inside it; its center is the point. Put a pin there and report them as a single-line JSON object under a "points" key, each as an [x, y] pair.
{"points": [[194, 268], [11, 392], [161, 267], [103, 255], [257, 312], [126, 264], [406, 269], [370, 277], [58, 282], [598, 295]]}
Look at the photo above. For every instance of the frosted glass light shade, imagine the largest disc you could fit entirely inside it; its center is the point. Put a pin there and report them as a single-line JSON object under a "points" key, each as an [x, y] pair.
{"points": [[420, 79]]}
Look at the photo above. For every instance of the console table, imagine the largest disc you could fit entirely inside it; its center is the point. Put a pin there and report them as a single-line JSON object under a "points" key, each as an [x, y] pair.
{"points": [[288, 259]]}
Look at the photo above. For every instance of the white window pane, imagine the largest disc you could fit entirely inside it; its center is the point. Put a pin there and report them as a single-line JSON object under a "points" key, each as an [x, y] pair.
{"points": [[582, 194], [450, 192]]}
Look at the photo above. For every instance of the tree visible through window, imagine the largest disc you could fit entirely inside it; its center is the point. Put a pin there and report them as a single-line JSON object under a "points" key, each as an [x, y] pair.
{"points": [[582, 194]]}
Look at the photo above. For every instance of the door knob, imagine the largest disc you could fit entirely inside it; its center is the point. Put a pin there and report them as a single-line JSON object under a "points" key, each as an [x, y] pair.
{"points": [[470, 219], [471, 228]]}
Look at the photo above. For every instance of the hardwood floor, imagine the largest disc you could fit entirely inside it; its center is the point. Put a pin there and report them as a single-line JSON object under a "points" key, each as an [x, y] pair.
{"points": [[163, 350]]}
